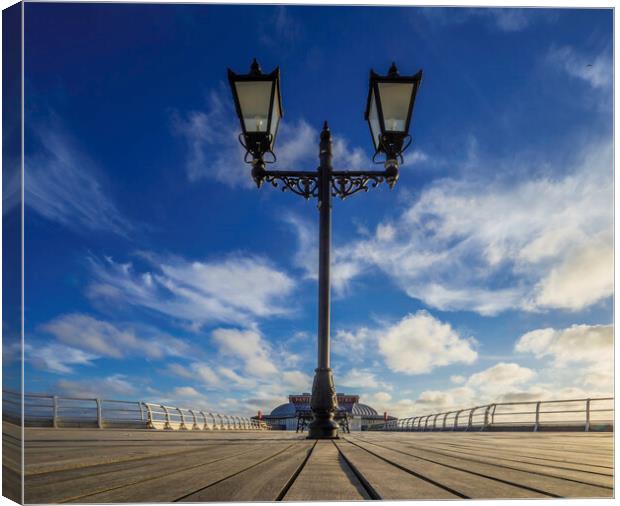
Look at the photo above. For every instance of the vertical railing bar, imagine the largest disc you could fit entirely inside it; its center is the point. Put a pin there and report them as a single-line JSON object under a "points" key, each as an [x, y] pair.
{"points": [[99, 414], [55, 411], [537, 421]]}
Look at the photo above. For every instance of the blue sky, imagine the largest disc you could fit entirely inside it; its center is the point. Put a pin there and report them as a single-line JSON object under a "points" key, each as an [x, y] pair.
{"points": [[155, 270]]}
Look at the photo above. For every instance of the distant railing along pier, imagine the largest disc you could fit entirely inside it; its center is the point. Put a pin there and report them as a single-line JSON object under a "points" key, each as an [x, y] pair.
{"points": [[41, 410], [595, 414]]}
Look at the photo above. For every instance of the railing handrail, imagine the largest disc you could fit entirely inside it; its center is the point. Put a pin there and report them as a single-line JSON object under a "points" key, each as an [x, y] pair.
{"points": [[489, 413], [101, 411]]}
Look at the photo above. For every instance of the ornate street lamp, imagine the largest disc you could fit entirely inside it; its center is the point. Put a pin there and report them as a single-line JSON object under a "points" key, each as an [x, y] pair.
{"points": [[388, 111], [259, 106]]}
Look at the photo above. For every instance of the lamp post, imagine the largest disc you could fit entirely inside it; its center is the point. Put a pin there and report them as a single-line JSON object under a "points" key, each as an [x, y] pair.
{"points": [[389, 109]]}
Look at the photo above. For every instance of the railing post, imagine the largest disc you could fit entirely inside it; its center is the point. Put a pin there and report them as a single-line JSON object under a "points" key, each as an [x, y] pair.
{"points": [[485, 424], [149, 414], [195, 426], [470, 419], [445, 419], [141, 411], [537, 421], [456, 420], [99, 414], [55, 411], [182, 426], [493, 414], [435, 421], [588, 415], [167, 422]]}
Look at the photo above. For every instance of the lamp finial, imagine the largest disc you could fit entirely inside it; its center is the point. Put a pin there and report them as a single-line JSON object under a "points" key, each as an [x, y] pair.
{"points": [[255, 67], [393, 72]]}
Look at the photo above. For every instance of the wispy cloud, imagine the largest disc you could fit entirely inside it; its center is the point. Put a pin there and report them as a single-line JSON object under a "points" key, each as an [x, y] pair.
{"points": [[64, 185], [344, 268], [281, 30], [236, 289], [488, 246], [98, 338], [55, 357], [502, 19], [213, 150], [596, 70], [114, 386]]}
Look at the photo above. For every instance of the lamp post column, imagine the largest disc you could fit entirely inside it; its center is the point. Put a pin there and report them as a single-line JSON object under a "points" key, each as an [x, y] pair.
{"points": [[323, 402]]}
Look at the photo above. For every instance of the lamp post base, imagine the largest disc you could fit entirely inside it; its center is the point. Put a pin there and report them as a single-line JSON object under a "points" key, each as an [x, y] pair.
{"points": [[323, 405], [323, 427]]}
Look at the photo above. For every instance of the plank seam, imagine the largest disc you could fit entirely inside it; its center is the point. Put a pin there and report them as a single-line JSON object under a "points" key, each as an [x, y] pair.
{"points": [[234, 474], [507, 482], [548, 475], [509, 459], [294, 476], [417, 475], [369, 488], [154, 477]]}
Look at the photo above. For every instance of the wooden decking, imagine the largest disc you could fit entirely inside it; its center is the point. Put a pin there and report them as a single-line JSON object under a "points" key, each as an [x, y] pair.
{"points": [[99, 466]]}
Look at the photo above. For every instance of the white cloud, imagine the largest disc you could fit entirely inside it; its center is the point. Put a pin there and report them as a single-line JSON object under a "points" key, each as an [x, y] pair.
{"points": [[503, 19], [249, 346], [581, 280], [235, 289], [57, 358], [578, 365], [499, 379], [457, 379], [110, 387], [578, 343], [343, 268], [419, 343], [361, 379], [211, 136], [491, 246], [199, 372], [510, 20], [597, 70], [347, 342], [296, 381], [103, 339], [213, 150], [66, 186]]}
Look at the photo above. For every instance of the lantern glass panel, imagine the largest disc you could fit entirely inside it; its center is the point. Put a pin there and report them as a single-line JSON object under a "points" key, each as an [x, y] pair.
{"points": [[254, 100], [275, 118], [373, 120], [395, 102]]}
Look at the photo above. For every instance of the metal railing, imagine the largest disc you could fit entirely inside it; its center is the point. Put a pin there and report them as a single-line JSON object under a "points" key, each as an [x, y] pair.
{"points": [[570, 414], [41, 410]]}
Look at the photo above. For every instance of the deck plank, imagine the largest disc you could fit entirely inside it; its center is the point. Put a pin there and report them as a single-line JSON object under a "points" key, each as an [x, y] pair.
{"points": [[69, 483], [263, 482], [326, 477], [135, 465], [460, 480], [526, 453], [175, 484], [558, 486], [389, 481], [514, 457]]}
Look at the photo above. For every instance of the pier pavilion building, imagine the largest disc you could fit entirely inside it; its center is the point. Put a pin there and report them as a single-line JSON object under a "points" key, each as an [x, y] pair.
{"points": [[361, 416]]}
